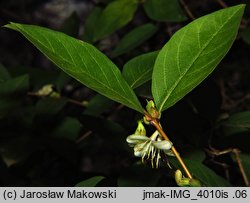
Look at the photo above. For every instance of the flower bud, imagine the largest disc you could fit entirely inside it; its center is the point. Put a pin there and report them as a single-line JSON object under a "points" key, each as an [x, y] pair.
{"points": [[140, 130], [152, 110], [185, 182]]}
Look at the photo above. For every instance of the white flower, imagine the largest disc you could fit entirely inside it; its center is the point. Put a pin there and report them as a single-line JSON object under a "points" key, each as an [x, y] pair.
{"points": [[150, 148]]}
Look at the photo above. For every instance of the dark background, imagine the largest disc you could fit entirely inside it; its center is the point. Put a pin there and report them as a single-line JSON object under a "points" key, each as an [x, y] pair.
{"points": [[49, 142]]}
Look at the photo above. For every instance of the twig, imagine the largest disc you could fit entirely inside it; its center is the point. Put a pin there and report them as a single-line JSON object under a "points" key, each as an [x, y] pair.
{"points": [[215, 152], [222, 3], [68, 99], [75, 102], [189, 13], [84, 136], [242, 170], [156, 124]]}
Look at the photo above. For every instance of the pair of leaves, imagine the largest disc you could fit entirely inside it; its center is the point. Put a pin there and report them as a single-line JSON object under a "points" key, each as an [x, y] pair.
{"points": [[187, 59], [103, 22]]}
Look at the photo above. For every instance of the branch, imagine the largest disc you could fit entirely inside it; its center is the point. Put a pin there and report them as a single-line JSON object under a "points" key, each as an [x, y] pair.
{"points": [[236, 152], [242, 170], [189, 13], [156, 124]]}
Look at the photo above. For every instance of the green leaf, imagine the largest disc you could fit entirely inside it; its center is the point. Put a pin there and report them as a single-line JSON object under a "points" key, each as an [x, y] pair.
{"points": [[241, 120], [164, 10], [90, 25], [10, 94], [61, 80], [49, 106], [91, 182], [200, 171], [82, 61], [192, 54], [134, 38], [4, 74], [246, 35], [97, 105], [71, 25], [14, 86], [116, 15], [237, 123], [139, 70], [103, 126], [69, 128]]}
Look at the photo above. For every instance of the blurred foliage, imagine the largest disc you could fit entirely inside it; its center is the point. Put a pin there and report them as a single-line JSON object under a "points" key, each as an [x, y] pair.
{"points": [[80, 136]]}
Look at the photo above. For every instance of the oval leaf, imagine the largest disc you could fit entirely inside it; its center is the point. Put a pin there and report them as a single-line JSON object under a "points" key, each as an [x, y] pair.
{"points": [[134, 38], [164, 10], [240, 120], [139, 70], [82, 61], [97, 105], [14, 86], [116, 15], [192, 54], [90, 25], [237, 123]]}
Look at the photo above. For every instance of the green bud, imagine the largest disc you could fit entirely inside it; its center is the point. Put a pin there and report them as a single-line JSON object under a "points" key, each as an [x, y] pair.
{"points": [[152, 110], [140, 130], [185, 182], [178, 176]]}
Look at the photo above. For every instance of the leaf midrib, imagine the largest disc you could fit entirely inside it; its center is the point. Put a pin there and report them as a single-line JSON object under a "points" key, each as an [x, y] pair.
{"points": [[139, 78], [195, 59], [89, 75]]}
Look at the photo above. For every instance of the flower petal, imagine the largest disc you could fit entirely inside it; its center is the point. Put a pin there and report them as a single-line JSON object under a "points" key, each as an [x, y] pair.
{"points": [[141, 149], [168, 152], [135, 139], [163, 145]]}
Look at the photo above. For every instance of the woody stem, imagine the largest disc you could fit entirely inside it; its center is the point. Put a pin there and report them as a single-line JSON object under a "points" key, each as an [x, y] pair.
{"points": [[156, 124]]}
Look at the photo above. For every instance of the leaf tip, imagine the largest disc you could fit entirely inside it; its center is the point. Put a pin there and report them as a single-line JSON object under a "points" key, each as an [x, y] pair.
{"points": [[11, 25], [241, 7]]}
